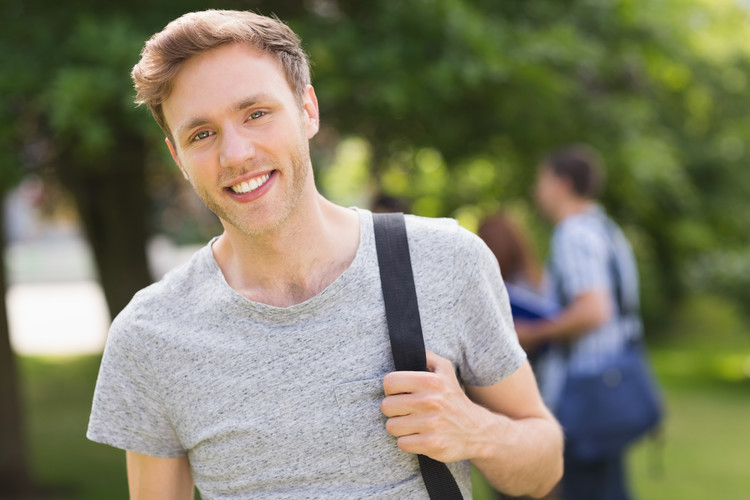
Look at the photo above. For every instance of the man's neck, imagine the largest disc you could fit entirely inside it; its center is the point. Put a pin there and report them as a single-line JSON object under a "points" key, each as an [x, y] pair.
{"points": [[571, 207], [295, 262]]}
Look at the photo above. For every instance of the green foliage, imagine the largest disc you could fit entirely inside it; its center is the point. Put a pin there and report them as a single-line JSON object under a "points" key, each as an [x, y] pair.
{"points": [[348, 175], [65, 84], [460, 99], [89, 100], [457, 101]]}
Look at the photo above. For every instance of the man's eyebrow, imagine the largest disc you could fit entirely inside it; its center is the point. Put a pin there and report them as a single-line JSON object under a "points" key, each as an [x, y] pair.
{"points": [[195, 122], [243, 104], [253, 100]]}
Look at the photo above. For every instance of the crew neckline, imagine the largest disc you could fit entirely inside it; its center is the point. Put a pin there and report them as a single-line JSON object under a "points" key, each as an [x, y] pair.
{"points": [[365, 250]]}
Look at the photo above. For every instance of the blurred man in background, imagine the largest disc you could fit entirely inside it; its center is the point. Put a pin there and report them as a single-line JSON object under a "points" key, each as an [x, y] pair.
{"points": [[590, 330]]}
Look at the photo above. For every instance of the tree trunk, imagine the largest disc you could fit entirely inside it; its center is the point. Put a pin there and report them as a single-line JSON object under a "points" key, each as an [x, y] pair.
{"points": [[113, 205], [15, 479]]}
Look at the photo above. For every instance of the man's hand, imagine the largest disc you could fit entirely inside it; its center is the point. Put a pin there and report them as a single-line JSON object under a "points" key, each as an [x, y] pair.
{"points": [[504, 429], [588, 311], [431, 415]]}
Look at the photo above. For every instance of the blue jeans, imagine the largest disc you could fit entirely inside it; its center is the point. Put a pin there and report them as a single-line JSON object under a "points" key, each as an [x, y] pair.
{"points": [[601, 480]]}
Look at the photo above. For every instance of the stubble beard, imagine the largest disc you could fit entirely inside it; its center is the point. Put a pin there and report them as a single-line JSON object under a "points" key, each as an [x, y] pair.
{"points": [[241, 218]]}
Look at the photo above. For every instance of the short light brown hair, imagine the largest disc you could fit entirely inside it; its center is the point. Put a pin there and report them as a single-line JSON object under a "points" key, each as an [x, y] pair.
{"points": [[198, 32]]}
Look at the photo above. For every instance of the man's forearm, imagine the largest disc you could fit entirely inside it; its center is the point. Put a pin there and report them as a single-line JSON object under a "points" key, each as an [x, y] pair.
{"points": [[587, 312], [521, 457]]}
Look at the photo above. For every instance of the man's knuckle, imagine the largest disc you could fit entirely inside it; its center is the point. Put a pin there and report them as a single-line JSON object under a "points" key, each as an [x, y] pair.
{"points": [[389, 426], [433, 403], [434, 383], [437, 445]]}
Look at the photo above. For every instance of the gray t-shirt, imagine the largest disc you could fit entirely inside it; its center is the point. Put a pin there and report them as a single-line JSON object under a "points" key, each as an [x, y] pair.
{"points": [[272, 402]]}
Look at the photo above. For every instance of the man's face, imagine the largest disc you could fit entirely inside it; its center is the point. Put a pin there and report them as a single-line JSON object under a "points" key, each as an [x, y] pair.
{"points": [[548, 191], [241, 137]]}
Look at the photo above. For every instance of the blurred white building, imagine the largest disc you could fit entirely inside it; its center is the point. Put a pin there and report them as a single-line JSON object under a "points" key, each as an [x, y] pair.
{"points": [[55, 303]]}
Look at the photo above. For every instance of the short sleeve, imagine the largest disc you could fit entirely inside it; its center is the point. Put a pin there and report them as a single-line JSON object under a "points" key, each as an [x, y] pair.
{"points": [[127, 411], [490, 347], [579, 261]]}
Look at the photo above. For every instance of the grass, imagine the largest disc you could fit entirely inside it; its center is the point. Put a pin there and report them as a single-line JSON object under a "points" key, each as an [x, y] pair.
{"points": [[705, 450], [705, 454], [66, 465], [706, 445]]}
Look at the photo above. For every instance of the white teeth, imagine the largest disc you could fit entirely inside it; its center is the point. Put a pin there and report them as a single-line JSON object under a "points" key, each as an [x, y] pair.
{"points": [[251, 185]]}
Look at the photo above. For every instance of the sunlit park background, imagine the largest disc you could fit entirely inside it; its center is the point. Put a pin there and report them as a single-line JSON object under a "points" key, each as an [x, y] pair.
{"points": [[447, 104]]}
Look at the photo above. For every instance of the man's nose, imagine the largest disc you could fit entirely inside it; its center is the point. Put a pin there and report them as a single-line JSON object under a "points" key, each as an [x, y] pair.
{"points": [[236, 147]]}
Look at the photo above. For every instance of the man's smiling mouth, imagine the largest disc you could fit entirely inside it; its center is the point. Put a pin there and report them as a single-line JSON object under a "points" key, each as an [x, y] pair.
{"points": [[251, 185]]}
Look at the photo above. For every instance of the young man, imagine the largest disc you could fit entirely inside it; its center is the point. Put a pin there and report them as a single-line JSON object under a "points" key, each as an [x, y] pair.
{"points": [[262, 368], [590, 330]]}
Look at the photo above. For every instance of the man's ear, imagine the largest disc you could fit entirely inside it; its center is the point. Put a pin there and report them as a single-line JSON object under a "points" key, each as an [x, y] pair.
{"points": [[176, 158], [311, 112]]}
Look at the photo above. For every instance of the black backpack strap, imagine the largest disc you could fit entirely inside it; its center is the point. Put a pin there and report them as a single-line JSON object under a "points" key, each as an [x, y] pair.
{"points": [[405, 329]]}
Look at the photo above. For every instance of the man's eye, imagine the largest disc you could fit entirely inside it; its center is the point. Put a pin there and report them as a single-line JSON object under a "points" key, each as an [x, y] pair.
{"points": [[257, 114], [201, 135]]}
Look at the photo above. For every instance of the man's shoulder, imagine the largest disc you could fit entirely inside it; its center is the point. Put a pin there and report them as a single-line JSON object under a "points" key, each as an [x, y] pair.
{"points": [[175, 288], [438, 233], [430, 227], [581, 229], [439, 245]]}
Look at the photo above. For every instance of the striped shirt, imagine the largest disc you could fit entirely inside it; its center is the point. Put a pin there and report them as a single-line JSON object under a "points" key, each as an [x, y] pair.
{"points": [[590, 253]]}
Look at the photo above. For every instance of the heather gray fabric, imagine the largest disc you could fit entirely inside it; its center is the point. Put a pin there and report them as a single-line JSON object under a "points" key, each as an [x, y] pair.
{"points": [[279, 403]]}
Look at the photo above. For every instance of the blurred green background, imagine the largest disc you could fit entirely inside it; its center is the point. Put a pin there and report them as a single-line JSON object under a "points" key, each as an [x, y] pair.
{"points": [[447, 104]]}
